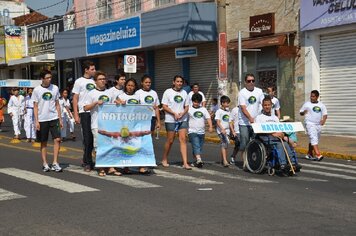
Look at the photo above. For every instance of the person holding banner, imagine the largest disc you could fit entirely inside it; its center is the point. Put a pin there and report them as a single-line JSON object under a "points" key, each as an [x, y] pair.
{"points": [[176, 105], [15, 109], [29, 123], [149, 97], [95, 98], [81, 88]]}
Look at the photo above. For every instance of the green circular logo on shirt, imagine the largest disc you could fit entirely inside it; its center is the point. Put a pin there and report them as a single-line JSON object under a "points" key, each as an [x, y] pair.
{"points": [[252, 100], [225, 118], [132, 101], [149, 99], [90, 87], [104, 98], [178, 99], [198, 114], [317, 109], [47, 96]]}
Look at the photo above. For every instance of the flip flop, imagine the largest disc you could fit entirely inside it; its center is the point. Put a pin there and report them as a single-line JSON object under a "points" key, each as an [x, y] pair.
{"points": [[164, 165], [101, 173], [114, 173], [145, 172], [187, 168]]}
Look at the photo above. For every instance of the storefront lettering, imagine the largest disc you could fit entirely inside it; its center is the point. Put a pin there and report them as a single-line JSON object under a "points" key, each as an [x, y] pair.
{"points": [[113, 36], [336, 5], [44, 33]]}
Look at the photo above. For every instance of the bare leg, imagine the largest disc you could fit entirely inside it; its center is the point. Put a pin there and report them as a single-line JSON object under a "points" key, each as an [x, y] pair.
{"points": [[44, 152], [183, 147], [316, 150], [223, 156], [310, 150], [56, 147], [167, 147]]}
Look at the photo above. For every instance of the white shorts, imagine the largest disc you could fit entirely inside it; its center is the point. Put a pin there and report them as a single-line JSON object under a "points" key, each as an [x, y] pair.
{"points": [[313, 131]]}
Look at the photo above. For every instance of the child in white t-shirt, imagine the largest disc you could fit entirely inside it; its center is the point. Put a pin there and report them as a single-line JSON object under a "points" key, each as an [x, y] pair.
{"points": [[235, 132], [222, 117], [67, 116], [315, 117], [271, 91], [196, 131]]}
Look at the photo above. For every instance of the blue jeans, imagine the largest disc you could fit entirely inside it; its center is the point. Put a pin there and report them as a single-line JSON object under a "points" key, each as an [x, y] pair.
{"points": [[246, 133], [197, 141], [282, 158]]}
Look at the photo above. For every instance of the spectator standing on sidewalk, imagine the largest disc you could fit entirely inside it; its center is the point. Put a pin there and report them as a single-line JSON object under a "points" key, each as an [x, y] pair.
{"points": [[81, 88], [315, 117], [15, 109], [29, 124], [48, 118]]}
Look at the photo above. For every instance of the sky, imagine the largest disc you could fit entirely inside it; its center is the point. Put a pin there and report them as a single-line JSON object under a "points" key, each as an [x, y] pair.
{"points": [[50, 10]]}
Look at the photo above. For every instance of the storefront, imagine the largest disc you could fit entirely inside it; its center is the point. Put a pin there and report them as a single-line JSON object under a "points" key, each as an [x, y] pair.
{"points": [[330, 60], [269, 56], [153, 43]]}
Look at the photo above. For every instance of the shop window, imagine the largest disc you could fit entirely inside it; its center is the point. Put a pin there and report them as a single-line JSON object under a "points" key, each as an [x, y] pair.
{"points": [[132, 6], [163, 2], [104, 9], [11, 74]]}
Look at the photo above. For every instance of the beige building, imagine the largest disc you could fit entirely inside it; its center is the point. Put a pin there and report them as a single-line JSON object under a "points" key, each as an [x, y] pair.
{"points": [[274, 54]]}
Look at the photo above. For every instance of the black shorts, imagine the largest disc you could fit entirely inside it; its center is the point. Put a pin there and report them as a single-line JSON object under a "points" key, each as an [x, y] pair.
{"points": [[46, 127]]}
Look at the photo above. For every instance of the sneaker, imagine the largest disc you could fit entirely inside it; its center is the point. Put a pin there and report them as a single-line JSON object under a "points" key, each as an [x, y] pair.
{"points": [[310, 157], [199, 163], [56, 167], [46, 168], [232, 161]]}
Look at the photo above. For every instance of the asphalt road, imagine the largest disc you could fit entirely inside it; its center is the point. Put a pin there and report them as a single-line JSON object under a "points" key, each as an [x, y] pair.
{"points": [[214, 200]]}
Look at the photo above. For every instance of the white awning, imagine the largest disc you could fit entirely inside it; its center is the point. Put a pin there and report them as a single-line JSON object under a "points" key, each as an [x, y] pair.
{"points": [[26, 60]]}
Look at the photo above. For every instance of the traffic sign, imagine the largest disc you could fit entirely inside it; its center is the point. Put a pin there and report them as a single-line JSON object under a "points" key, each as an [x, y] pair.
{"points": [[130, 64]]}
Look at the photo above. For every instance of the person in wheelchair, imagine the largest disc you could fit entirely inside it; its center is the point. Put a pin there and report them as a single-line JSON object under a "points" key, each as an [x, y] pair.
{"points": [[276, 137]]}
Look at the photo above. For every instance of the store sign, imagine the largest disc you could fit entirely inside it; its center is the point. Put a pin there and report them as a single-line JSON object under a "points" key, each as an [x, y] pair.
{"points": [[222, 56], [114, 36], [41, 36], [318, 14], [13, 43], [186, 52], [130, 63], [140, 62], [262, 25]]}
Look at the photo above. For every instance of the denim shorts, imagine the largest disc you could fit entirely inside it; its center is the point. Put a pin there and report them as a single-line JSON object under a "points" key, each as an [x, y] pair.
{"points": [[197, 141], [224, 141], [246, 133], [181, 125]]}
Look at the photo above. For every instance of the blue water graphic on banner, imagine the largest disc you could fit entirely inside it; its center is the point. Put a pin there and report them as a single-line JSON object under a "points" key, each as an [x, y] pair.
{"points": [[124, 136]]}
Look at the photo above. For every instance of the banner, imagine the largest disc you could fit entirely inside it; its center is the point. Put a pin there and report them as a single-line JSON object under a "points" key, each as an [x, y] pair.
{"points": [[124, 136], [273, 127], [2, 45], [13, 43]]}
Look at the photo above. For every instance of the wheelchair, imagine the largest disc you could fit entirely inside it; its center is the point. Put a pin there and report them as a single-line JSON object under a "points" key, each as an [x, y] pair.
{"points": [[261, 156]]}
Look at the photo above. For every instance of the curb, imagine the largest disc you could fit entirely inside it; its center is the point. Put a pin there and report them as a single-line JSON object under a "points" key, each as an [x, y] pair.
{"points": [[298, 150]]}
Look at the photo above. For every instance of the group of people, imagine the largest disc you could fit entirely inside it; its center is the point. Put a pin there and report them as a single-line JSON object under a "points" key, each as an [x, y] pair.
{"points": [[47, 110]]}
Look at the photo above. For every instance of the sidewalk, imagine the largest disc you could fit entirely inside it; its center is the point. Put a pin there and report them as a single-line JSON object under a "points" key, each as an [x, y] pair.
{"points": [[339, 147]]}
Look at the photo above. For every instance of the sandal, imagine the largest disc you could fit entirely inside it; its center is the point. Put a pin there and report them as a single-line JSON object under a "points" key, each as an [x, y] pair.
{"points": [[144, 171], [127, 171], [114, 173], [164, 164], [101, 173], [187, 168]]}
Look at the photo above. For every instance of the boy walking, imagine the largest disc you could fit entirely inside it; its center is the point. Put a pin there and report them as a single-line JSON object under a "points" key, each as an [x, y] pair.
{"points": [[235, 133], [196, 132], [222, 117], [47, 118], [315, 117]]}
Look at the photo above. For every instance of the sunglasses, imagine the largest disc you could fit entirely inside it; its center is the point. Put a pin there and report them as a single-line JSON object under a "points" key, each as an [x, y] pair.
{"points": [[250, 81]]}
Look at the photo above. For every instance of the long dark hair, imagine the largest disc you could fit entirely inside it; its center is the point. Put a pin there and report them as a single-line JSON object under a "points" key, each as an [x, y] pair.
{"points": [[134, 81]]}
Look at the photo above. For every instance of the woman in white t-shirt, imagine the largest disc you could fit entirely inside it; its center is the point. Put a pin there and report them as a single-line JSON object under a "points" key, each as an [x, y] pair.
{"points": [[175, 104], [67, 116]]}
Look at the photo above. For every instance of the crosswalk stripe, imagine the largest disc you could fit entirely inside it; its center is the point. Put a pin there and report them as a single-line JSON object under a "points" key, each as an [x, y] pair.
{"points": [[47, 181], [117, 179], [231, 176], [329, 168], [7, 195], [185, 178], [309, 179], [329, 174], [337, 164]]}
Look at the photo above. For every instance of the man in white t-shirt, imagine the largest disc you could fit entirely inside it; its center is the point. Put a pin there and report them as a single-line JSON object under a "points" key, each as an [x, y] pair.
{"points": [[249, 102], [82, 87], [48, 118], [315, 117], [195, 89], [118, 89]]}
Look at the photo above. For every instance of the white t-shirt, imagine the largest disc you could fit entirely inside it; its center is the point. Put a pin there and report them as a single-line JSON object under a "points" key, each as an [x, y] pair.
{"points": [[275, 105], [63, 104], [224, 117], [177, 101], [148, 98], [46, 99], [28, 102], [115, 92], [197, 117], [190, 95], [315, 112], [96, 95], [82, 87], [252, 100], [262, 118], [234, 117], [130, 99]]}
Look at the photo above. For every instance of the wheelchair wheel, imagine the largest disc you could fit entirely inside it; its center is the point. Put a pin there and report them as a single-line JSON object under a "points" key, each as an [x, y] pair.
{"points": [[271, 171], [255, 156]]}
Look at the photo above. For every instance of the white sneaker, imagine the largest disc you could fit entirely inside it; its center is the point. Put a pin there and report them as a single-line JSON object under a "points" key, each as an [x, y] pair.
{"points": [[56, 167], [310, 157], [46, 168], [232, 161], [199, 163]]}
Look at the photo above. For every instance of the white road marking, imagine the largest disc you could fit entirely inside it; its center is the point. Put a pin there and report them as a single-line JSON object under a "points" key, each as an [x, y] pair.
{"points": [[230, 176], [329, 168], [185, 178], [7, 195], [47, 181], [309, 179], [329, 174], [117, 179], [337, 164]]}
